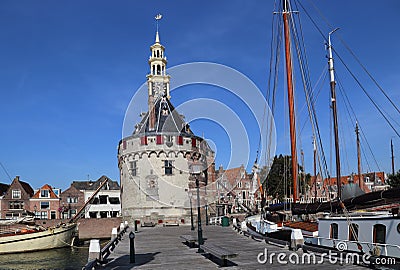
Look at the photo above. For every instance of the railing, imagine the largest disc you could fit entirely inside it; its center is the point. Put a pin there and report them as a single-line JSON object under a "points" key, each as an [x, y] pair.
{"points": [[106, 250], [216, 220], [382, 249]]}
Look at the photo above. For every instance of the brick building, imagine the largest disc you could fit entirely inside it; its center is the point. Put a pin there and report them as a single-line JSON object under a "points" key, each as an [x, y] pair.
{"points": [[45, 203], [72, 199], [16, 199]]}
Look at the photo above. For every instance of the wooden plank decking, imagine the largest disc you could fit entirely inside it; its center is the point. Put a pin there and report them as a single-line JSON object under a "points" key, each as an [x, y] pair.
{"points": [[162, 248]]}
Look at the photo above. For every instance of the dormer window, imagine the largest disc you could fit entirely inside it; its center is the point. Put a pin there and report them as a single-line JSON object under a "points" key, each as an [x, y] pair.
{"points": [[44, 193]]}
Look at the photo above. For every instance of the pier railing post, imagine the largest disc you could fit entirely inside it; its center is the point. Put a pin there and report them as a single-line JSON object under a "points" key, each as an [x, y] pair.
{"points": [[94, 250], [114, 233], [136, 224], [132, 258]]}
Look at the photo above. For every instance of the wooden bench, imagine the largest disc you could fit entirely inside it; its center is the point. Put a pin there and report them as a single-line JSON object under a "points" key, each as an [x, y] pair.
{"points": [[219, 252], [190, 240], [148, 224], [171, 223]]}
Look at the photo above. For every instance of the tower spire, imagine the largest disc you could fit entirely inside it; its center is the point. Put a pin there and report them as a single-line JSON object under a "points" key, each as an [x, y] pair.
{"points": [[158, 17]]}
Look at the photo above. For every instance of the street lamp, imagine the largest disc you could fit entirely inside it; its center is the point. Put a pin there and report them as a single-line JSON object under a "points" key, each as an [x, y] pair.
{"points": [[196, 170], [191, 211], [206, 208]]}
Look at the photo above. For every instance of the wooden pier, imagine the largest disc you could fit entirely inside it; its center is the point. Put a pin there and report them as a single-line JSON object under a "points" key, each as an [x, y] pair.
{"points": [[163, 248]]}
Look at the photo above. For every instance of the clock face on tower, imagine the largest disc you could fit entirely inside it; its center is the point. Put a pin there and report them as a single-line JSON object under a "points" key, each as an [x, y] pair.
{"points": [[158, 89]]}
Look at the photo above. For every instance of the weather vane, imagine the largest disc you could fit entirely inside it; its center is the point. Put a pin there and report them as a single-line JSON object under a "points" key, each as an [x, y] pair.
{"points": [[158, 18]]}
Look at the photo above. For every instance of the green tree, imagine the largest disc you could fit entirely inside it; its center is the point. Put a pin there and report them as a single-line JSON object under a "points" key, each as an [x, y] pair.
{"points": [[279, 174], [394, 180]]}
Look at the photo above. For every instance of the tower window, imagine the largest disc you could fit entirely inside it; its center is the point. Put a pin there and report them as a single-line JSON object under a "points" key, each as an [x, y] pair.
{"points": [[158, 53], [159, 139], [133, 167], [143, 140], [168, 167], [158, 70], [179, 140]]}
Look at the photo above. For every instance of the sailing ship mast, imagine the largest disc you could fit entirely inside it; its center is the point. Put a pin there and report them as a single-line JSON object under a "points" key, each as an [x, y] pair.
{"points": [[334, 112], [292, 120], [315, 169], [360, 180], [391, 147]]}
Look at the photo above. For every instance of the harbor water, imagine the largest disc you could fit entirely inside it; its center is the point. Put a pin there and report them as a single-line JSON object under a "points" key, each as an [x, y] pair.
{"points": [[62, 258]]}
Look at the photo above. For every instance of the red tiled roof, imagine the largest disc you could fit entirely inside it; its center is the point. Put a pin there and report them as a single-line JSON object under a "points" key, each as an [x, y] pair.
{"points": [[45, 187], [345, 179]]}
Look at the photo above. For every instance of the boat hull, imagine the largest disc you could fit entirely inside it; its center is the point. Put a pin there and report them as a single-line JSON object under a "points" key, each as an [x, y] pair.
{"points": [[49, 239]]}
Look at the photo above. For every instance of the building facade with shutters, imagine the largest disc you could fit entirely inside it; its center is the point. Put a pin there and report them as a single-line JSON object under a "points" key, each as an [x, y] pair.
{"points": [[106, 203], [155, 161]]}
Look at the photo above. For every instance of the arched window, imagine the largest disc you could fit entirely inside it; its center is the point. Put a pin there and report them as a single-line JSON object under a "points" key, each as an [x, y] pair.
{"points": [[334, 231], [379, 234], [153, 67], [158, 53], [353, 232], [158, 70]]}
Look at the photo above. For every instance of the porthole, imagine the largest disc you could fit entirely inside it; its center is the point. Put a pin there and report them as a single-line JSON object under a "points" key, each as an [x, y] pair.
{"points": [[398, 228]]}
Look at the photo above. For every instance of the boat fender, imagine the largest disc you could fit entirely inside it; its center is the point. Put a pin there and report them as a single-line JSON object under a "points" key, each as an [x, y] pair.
{"points": [[296, 239]]}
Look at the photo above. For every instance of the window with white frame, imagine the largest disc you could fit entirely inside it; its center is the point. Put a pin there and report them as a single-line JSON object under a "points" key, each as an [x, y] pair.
{"points": [[44, 193], [72, 200], [16, 194], [44, 205]]}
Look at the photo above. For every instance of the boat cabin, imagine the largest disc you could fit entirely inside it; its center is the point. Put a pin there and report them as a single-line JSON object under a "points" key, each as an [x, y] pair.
{"points": [[361, 232]]}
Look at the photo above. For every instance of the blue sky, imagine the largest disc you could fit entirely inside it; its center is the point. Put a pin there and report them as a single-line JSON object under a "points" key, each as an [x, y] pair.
{"points": [[68, 70]]}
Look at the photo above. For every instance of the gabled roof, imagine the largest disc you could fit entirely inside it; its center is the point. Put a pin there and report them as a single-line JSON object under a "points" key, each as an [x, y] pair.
{"points": [[167, 120], [3, 188], [45, 187], [27, 188], [90, 185], [71, 189]]}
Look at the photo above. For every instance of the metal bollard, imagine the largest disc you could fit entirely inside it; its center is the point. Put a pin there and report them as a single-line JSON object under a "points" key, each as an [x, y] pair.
{"points": [[136, 223], [132, 258]]}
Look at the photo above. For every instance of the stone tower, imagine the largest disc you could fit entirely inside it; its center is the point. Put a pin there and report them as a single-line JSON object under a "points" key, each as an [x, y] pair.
{"points": [[155, 161]]}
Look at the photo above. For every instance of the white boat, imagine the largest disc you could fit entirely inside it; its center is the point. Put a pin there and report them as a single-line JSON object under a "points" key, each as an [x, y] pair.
{"points": [[16, 236], [26, 240], [374, 233]]}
